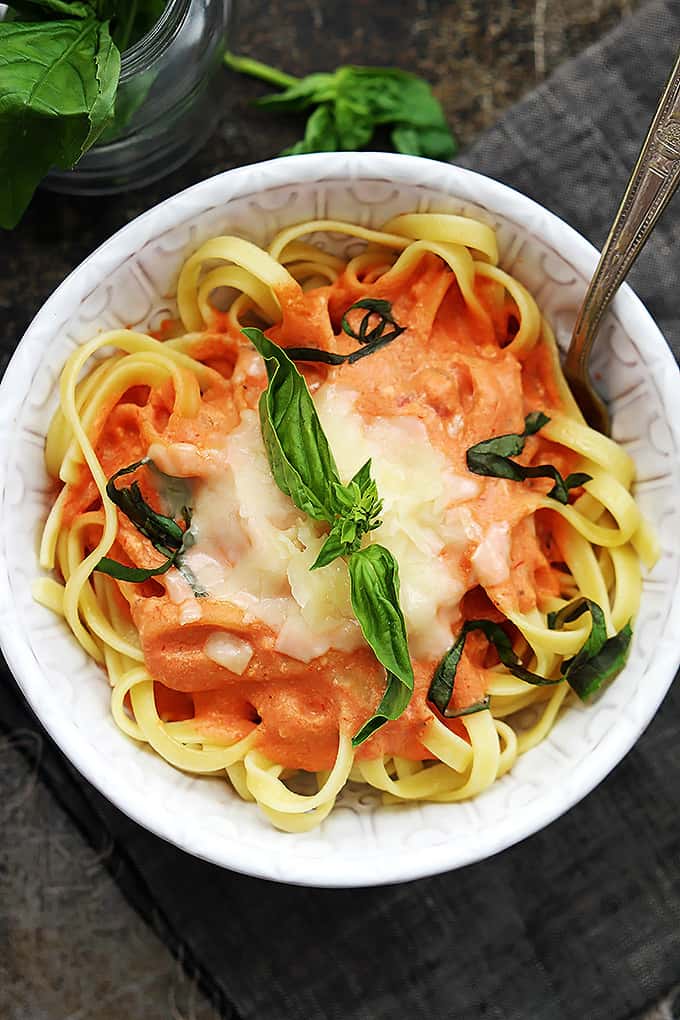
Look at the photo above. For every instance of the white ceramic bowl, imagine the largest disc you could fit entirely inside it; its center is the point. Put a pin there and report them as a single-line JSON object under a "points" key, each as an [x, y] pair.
{"points": [[127, 281]]}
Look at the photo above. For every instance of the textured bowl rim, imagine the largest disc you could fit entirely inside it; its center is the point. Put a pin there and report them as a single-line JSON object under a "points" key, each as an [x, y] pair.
{"points": [[395, 866]]}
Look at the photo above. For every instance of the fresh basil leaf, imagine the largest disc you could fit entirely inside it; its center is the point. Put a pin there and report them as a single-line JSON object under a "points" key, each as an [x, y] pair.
{"points": [[356, 100], [511, 444], [57, 82], [107, 72], [301, 460], [363, 479], [316, 354], [596, 639], [600, 658], [587, 676], [374, 590], [443, 681], [297, 448], [491, 457], [320, 134], [431, 142], [393, 703], [391, 95], [332, 547], [135, 575], [354, 124]]}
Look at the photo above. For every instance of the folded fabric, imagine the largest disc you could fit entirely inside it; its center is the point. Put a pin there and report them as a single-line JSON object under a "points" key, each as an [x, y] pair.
{"points": [[581, 920]]}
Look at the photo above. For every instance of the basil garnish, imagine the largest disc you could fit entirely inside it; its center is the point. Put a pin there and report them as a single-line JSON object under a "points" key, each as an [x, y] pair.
{"points": [[371, 337], [297, 448], [374, 580], [441, 687], [599, 659], [358, 507], [163, 532], [304, 469], [491, 457], [301, 461]]}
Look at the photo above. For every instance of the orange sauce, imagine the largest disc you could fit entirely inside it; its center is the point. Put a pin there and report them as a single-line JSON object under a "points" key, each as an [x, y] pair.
{"points": [[452, 370]]}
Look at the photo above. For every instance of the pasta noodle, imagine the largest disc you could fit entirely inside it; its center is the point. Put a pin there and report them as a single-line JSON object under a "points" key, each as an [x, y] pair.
{"points": [[231, 655]]}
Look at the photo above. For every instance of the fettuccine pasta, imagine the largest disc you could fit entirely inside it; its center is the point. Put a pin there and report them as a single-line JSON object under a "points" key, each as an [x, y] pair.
{"points": [[192, 579]]}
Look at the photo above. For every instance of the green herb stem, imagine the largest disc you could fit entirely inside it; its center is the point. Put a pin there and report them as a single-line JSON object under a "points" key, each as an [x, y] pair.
{"points": [[256, 69]]}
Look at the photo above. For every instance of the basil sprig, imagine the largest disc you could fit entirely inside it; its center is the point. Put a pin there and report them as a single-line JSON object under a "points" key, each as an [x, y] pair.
{"points": [[492, 456], [358, 506], [304, 469], [372, 335], [351, 103], [599, 659], [163, 532], [59, 74]]}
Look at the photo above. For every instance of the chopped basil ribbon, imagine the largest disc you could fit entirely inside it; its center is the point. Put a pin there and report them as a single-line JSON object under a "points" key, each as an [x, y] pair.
{"points": [[441, 687], [163, 532], [599, 659], [304, 469], [492, 456], [370, 338]]}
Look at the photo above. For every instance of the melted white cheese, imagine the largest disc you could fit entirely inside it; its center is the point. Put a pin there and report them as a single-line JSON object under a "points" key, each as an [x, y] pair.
{"points": [[229, 651], [254, 548], [180, 592], [491, 558]]}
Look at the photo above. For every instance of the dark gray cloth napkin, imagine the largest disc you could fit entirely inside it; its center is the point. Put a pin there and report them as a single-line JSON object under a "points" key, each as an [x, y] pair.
{"points": [[580, 922]]}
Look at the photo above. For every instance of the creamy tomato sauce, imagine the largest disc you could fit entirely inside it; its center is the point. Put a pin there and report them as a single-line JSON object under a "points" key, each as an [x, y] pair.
{"points": [[275, 646]]}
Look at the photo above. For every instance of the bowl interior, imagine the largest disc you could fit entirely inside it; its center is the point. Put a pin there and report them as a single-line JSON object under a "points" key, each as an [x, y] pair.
{"points": [[129, 281]]}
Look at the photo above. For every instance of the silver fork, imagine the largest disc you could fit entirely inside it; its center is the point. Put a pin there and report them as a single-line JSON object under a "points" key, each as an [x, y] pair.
{"points": [[652, 183]]}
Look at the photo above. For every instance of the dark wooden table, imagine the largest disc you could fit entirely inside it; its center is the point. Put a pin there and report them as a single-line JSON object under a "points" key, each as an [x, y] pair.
{"points": [[72, 947]]}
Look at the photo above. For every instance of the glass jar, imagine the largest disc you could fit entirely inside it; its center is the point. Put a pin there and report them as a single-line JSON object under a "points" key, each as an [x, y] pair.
{"points": [[168, 97]]}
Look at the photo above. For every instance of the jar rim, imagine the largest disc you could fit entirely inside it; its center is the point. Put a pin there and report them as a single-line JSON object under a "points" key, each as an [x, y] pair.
{"points": [[147, 49]]}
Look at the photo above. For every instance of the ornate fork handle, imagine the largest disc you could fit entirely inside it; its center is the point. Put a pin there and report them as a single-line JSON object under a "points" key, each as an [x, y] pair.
{"points": [[653, 182]]}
